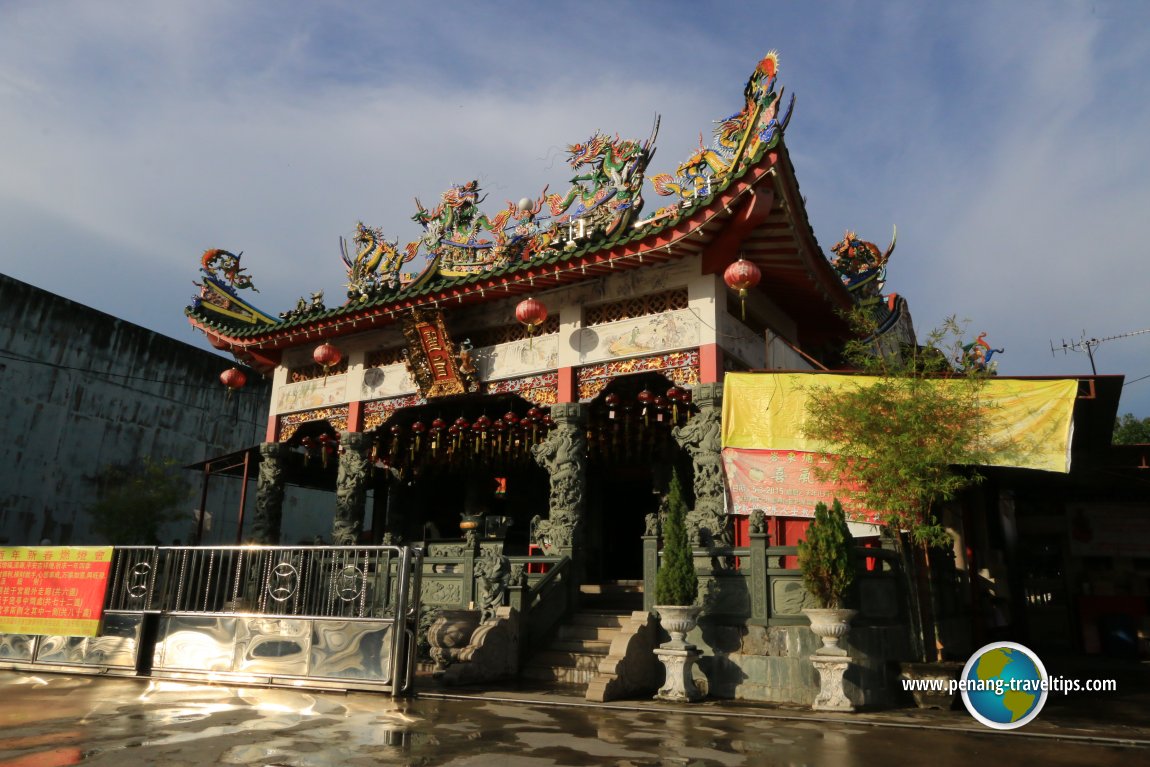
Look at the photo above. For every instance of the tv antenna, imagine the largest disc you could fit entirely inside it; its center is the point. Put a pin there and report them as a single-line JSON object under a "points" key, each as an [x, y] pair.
{"points": [[1088, 345]]}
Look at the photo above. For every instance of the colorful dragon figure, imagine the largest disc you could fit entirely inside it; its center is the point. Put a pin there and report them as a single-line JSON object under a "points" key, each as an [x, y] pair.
{"points": [[223, 277], [735, 137], [376, 264], [977, 355], [860, 264], [608, 193], [693, 177], [463, 240], [223, 265]]}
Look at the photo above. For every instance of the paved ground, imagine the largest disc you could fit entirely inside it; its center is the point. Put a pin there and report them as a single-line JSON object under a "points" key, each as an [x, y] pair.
{"points": [[51, 720]]}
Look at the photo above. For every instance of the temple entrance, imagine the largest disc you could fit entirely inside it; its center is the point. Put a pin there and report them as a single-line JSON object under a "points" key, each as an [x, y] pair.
{"points": [[630, 457], [468, 457]]}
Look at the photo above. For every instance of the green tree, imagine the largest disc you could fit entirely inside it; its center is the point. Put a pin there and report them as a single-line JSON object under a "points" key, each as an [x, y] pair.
{"points": [[676, 582], [827, 556], [135, 500], [1129, 430], [906, 438]]}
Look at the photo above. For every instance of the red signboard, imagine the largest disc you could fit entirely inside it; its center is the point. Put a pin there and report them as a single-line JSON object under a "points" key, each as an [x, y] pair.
{"points": [[431, 355], [784, 483], [53, 591]]}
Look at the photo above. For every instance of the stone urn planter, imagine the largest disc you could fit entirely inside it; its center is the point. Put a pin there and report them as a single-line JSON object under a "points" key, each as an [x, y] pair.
{"points": [[677, 656], [830, 625], [678, 620]]}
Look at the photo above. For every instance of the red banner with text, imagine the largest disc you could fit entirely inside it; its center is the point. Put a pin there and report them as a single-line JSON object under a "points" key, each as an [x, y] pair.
{"points": [[53, 591], [784, 483]]}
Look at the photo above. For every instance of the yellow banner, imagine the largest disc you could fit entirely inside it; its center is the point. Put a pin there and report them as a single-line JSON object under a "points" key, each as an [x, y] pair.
{"points": [[53, 591], [1030, 422]]}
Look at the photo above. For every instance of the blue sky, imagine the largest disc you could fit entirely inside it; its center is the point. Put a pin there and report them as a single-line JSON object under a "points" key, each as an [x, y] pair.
{"points": [[1007, 140]]}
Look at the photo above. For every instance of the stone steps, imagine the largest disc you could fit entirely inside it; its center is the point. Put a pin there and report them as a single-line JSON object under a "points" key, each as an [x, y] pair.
{"points": [[584, 640]]}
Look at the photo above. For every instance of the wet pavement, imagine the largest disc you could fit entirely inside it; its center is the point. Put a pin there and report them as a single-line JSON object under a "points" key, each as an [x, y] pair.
{"points": [[49, 720]]}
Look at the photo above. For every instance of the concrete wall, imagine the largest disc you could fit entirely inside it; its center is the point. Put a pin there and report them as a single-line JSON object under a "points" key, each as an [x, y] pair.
{"points": [[82, 389]]}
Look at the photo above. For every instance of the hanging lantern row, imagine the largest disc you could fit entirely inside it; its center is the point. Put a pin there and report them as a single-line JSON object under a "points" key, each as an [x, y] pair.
{"points": [[652, 408], [637, 428], [741, 276], [503, 439], [323, 447]]}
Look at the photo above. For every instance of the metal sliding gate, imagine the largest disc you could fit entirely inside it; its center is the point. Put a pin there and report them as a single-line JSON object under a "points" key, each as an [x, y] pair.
{"points": [[327, 616]]}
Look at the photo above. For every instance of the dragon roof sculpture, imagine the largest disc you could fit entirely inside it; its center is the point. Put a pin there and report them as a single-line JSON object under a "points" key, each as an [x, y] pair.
{"points": [[464, 249], [736, 137], [861, 265]]}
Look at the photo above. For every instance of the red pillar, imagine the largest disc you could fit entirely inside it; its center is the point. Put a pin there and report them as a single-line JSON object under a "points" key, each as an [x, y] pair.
{"points": [[710, 363], [272, 434], [355, 416], [568, 391]]}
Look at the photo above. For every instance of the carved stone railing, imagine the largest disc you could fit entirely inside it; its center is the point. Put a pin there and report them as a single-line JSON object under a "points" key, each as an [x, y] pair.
{"points": [[543, 601], [762, 585]]}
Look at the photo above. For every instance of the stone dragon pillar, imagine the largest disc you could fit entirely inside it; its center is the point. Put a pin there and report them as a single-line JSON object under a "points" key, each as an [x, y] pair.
{"points": [[564, 455], [351, 488], [702, 438], [269, 494]]}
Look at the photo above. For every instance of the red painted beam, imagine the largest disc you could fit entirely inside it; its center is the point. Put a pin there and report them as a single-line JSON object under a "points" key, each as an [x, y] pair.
{"points": [[725, 247]]}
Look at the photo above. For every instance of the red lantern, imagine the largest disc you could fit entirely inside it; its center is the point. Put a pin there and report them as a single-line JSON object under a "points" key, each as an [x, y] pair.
{"points": [[328, 356], [742, 276], [532, 313], [233, 378]]}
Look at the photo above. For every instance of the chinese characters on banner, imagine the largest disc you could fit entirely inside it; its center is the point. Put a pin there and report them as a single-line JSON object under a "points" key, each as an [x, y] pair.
{"points": [[431, 355], [784, 483], [53, 591]]}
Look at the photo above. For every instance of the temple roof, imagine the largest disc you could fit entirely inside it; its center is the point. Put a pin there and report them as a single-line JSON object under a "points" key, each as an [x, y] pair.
{"points": [[739, 197]]}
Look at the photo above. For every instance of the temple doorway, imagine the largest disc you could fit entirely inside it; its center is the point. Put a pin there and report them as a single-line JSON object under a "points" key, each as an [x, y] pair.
{"points": [[469, 456], [631, 453]]}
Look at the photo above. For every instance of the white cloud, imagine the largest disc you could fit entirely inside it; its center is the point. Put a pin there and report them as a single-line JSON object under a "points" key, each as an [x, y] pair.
{"points": [[1006, 141]]}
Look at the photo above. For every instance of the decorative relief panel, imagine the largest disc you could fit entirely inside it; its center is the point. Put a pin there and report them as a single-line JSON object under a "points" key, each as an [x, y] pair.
{"points": [[290, 423], [682, 368], [638, 336], [517, 358], [541, 390], [316, 392], [377, 412], [386, 381]]}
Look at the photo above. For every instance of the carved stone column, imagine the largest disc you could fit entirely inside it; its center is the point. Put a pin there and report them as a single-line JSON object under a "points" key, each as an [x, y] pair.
{"points": [[702, 438], [564, 454], [350, 488], [269, 494]]}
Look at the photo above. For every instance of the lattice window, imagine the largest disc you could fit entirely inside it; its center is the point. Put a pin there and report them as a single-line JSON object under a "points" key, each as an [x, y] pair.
{"points": [[315, 370], [507, 333], [641, 306], [382, 357]]}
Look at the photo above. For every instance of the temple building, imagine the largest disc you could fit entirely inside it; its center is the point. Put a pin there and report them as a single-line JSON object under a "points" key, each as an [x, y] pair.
{"points": [[553, 359]]}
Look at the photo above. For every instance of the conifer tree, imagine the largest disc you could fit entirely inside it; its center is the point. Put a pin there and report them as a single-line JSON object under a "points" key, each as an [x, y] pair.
{"points": [[676, 582]]}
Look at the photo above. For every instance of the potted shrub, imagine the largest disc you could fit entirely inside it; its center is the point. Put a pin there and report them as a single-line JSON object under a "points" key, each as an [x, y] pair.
{"points": [[676, 585], [676, 589], [827, 562]]}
